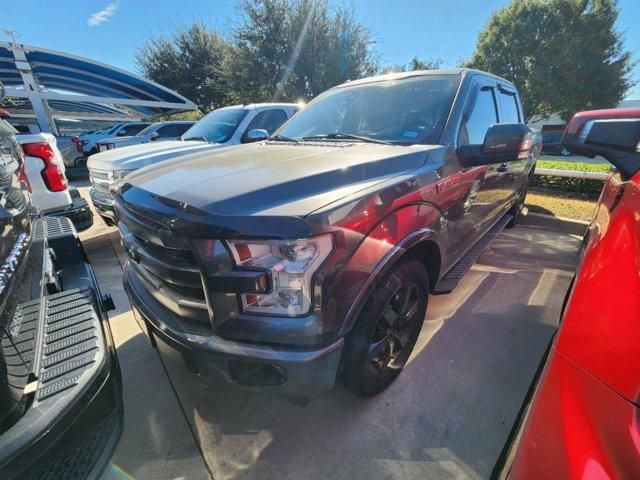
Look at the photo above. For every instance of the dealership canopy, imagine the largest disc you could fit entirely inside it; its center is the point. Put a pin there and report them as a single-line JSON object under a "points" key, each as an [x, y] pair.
{"points": [[48, 87]]}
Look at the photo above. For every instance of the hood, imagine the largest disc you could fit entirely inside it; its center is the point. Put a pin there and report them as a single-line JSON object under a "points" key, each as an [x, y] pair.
{"points": [[275, 179], [144, 154], [129, 139]]}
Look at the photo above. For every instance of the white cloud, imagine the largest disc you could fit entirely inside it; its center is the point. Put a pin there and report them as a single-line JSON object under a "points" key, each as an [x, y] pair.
{"points": [[103, 15]]}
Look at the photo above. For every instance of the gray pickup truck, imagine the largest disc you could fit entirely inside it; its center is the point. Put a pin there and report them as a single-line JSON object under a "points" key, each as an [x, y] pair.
{"points": [[308, 257]]}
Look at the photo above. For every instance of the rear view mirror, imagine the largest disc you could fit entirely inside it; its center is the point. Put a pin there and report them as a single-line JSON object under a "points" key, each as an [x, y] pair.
{"points": [[255, 135], [613, 134], [504, 142]]}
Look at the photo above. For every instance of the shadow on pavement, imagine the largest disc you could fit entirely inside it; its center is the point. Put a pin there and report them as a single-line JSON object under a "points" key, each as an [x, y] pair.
{"points": [[449, 413]]}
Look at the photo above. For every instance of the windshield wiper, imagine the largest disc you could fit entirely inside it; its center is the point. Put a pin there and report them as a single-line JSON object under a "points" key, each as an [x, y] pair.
{"points": [[349, 136], [199, 139], [282, 138]]}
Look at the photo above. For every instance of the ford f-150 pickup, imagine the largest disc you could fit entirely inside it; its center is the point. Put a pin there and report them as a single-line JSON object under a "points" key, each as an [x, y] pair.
{"points": [[309, 256]]}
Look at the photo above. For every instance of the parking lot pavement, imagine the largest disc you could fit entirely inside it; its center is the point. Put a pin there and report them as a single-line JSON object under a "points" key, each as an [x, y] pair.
{"points": [[156, 442], [447, 416]]}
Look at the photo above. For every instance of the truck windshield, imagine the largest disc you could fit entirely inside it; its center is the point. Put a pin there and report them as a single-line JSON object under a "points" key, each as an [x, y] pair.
{"points": [[401, 111], [216, 127]]}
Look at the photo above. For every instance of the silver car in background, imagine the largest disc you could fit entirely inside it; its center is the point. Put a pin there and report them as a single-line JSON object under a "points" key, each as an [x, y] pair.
{"points": [[159, 131]]}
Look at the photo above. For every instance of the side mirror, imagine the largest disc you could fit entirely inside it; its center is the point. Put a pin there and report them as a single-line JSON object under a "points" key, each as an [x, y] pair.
{"points": [[121, 133], [613, 134], [154, 136], [255, 135], [504, 142]]}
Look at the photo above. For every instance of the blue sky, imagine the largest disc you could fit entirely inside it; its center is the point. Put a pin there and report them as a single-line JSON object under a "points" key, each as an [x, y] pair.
{"points": [[109, 31]]}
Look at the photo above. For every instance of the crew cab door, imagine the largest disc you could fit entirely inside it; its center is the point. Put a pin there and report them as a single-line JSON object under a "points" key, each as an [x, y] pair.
{"points": [[484, 192]]}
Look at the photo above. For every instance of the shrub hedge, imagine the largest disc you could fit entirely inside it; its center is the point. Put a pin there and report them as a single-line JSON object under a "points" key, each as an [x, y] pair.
{"points": [[583, 186]]}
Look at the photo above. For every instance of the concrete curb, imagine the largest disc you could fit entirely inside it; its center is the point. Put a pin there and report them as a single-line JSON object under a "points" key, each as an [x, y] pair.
{"points": [[557, 224]]}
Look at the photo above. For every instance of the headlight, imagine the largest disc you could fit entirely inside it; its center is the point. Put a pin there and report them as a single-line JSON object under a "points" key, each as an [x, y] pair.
{"points": [[111, 146], [291, 264]]}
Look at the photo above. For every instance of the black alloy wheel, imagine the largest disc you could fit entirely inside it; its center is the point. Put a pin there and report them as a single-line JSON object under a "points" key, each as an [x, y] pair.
{"points": [[382, 339]]}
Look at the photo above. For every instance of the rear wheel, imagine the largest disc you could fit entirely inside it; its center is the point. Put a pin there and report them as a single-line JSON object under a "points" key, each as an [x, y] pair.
{"points": [[386, 331]]}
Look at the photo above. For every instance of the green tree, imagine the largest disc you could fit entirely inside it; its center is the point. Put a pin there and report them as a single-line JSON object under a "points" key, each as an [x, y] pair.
{"points": [[295, 49], [563, 55], [189, 61], [416, 64]]}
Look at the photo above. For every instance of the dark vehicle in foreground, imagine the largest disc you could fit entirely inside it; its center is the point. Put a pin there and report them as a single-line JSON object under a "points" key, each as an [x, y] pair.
{"points": [[60, 392], [552, 144], [583, 421], [285, 263]]}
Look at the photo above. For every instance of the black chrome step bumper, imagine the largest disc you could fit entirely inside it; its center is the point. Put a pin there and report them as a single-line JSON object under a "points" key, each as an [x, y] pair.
{"points": [[74, 421]]}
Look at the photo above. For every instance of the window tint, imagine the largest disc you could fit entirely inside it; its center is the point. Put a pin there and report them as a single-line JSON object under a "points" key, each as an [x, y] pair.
{"points": [[218, 126], [510, 113], [268, 120], [474, 129], [135, 128], [404, 111]]}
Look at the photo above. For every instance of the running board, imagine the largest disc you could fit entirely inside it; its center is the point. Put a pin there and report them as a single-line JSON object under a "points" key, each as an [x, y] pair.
{"points": [[451, 279]]}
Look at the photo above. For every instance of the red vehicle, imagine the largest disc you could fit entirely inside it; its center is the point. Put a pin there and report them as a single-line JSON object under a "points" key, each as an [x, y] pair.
{"points": [[583, 420]]}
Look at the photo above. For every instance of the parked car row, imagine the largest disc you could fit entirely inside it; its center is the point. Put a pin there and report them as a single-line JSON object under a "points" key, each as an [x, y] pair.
{"points": [[306, 253], [223, 127]]}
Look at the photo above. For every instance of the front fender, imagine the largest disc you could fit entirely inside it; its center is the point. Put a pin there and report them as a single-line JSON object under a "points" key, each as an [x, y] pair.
{"points": [[380, 248]]}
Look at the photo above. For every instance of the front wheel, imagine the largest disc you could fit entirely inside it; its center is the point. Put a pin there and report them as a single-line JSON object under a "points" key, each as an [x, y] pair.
{"points": [[379, 345]]}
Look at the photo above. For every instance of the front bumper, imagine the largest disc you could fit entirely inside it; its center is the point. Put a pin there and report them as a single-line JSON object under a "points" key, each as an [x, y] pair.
{"points": [[294, 373], [105, 206]]}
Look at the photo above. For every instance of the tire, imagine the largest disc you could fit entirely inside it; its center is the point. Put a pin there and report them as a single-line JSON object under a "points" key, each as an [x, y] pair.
{"points": [[517, 207], [383, 337]]}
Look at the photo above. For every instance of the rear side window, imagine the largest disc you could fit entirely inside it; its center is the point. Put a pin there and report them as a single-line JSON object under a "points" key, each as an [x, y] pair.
{"points": [[135, 128], [483, 114], [268, 120], [173, 130], [509, 105]]}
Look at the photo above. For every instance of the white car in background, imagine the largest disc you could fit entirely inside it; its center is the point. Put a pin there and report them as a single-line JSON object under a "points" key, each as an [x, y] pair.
{"points": [[221, 128], [89, 142], [160, 131], [43, 172]]}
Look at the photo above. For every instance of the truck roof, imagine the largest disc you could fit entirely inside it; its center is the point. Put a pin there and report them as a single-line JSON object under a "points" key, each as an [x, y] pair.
{"points": [[251, 106], [418, 73]]}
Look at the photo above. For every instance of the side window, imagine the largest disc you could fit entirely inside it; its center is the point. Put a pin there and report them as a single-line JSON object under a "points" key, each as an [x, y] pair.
{"points": [[166, 131], [268, 120], [134, 128], [483, 114], [509, 105], [180, 128]]}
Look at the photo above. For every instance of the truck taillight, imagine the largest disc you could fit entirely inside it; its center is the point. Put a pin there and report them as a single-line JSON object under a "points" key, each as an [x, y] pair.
{"points": [[52, 174]]}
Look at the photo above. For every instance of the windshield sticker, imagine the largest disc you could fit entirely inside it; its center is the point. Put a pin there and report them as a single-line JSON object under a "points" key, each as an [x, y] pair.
{"points": [[410, 134]]}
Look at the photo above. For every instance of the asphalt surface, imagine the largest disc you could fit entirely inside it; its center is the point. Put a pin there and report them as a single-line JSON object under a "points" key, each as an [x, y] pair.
{"points": [[447, 416]]}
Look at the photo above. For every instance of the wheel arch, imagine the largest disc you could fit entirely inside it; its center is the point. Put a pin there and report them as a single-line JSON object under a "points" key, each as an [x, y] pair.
{"points": [[423, 244]]}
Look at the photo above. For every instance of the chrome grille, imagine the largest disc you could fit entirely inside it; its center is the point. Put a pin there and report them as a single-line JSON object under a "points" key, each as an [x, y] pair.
{"points": [[171, 274], [99, 174]]}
